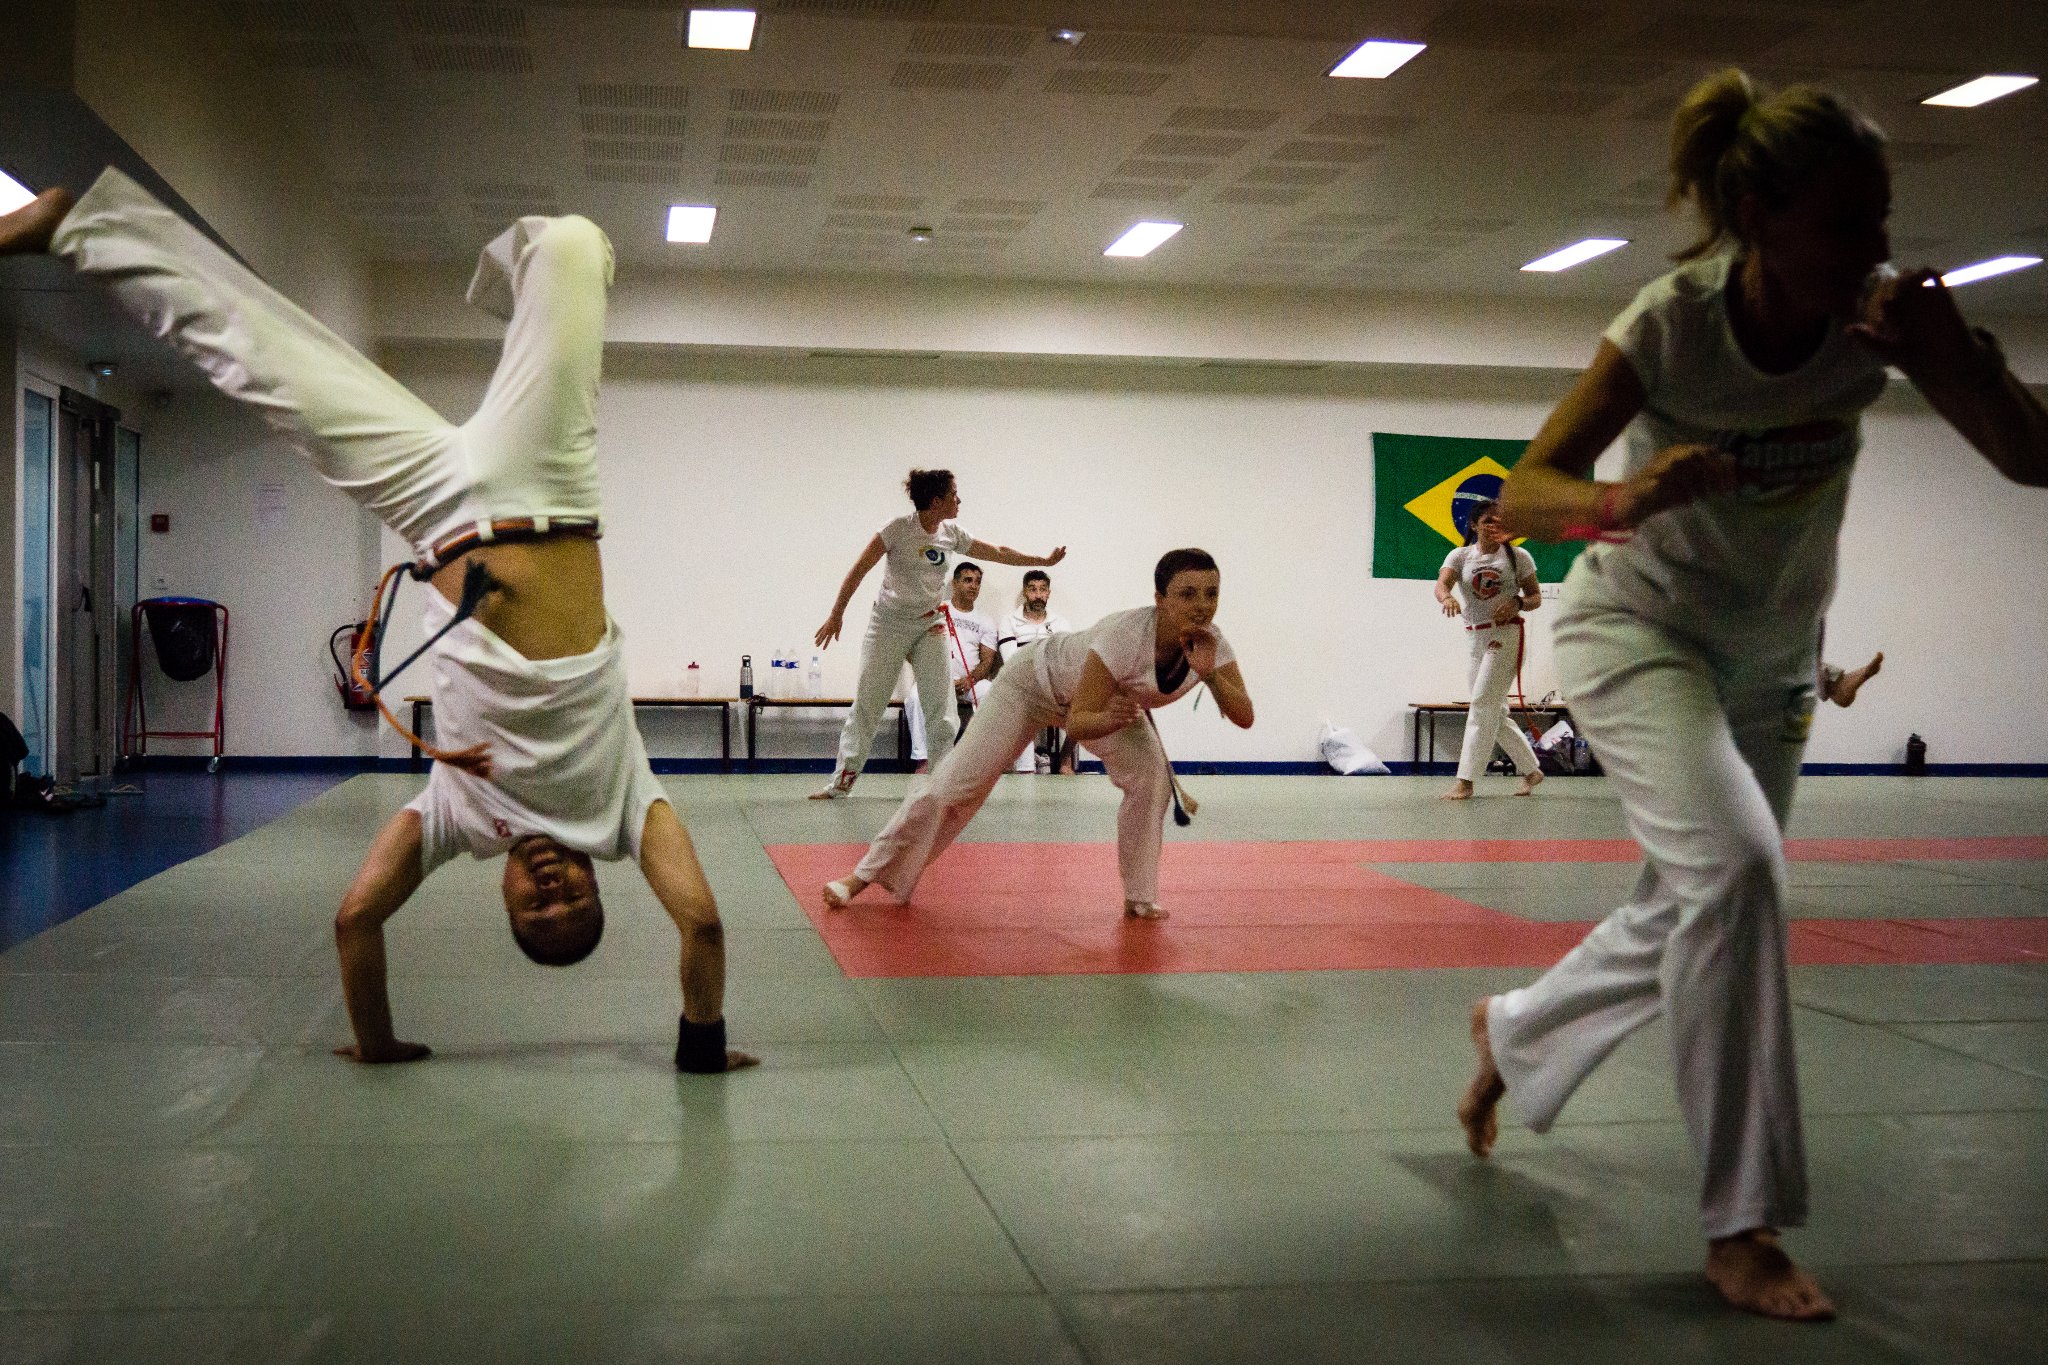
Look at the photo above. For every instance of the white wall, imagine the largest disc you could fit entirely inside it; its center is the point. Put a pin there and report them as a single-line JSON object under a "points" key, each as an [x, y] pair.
{"points": [[738, 492]]}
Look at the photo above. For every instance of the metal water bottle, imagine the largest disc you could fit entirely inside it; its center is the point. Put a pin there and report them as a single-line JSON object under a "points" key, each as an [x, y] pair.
{"points": [[1916, 756], [746, 676]]}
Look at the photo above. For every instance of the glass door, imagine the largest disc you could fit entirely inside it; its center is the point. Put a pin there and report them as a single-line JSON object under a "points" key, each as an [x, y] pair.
{"points": [[38, 623]]}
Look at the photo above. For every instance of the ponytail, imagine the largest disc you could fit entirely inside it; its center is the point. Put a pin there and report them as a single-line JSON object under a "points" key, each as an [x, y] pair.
{"points": [[1731, 141]]}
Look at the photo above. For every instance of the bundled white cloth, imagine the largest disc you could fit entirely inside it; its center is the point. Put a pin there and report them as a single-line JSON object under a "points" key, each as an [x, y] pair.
{"points": [[1346, 753]]}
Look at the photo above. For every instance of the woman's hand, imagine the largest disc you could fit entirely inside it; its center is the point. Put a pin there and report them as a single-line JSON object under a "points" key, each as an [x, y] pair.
{"points": [[475, 760], [1449, 604], [1910, 320], [1675, 477], [1506, 610], [828, 632], [1120, 711], [1059, 552], [1201, 649]]}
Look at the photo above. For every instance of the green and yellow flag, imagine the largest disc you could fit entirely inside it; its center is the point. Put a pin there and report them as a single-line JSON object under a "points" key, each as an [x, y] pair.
{"points": [[1423, 490]]}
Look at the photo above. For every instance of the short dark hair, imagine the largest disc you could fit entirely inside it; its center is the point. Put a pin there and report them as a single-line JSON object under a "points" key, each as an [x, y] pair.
{"points": [[1179, 562], [1037, 576], [963, 566], [564, 944], [927, 486]]}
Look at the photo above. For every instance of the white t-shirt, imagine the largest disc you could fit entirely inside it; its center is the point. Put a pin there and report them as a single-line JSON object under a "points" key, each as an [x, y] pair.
{"points": [[1124, 641], [1482, 578], [1019, 630], [914, 567], [566, 757], [1764, 554], [977, 634]]}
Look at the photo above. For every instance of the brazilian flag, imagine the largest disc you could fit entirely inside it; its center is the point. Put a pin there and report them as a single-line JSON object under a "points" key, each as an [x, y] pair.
{"points": [[1424, 490]]}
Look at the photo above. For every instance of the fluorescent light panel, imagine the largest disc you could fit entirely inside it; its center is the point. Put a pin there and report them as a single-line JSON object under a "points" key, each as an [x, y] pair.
{"points": [[1376, 60], [1578, 253], [728, 30], [1983, 90], [1984, 270], [1142, 239], [691, 222], [13, 194]]}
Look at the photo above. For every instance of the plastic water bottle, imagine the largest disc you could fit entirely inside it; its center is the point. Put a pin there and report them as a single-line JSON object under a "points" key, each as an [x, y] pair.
{"points": [[746, 676], [693, 680], [814, 682], [775, 674]]}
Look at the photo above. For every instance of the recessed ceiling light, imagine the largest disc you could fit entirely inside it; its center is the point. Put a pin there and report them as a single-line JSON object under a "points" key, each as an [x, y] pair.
{"points": [[1984, 270], [1142, 239], [691, 222], [1576, 254], [728, 30], [13, 194], [1376, 59], [1983, 90], [1069, 37], [920, 233]]}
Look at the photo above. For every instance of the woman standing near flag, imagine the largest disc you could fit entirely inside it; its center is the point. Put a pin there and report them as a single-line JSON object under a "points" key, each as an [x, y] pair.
{"points": [[1686, 643], [1483, 570]]}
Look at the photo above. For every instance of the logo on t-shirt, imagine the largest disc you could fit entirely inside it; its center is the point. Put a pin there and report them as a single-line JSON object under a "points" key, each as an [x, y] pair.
{"points": [[1787, 462], [1487, 583], [934, 555]]}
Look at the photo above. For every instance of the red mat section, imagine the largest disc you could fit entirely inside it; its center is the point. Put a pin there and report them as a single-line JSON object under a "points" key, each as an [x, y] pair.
{"points": [[988, 909]]}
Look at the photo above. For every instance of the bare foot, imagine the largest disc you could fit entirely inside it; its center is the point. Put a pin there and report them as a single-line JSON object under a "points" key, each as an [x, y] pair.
{"points": [[1845, 688], [838, 893], [27, 230], [1478, 1111], [840, 785], [1461, 790], [1754, 1274], [1142, 910], [1530, 780]]}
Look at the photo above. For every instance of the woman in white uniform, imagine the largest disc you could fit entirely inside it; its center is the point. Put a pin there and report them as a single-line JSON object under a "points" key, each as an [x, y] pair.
{"points": [[1098, 684], [905, 623], [1498, 583], [1686, 645]]}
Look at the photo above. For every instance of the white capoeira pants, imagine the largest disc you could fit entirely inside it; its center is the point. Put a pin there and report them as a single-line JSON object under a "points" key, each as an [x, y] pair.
{"points": [[913, 713], [1496, 657], [889, 642], [530, 449], [1018, 707], [1703, 750]]}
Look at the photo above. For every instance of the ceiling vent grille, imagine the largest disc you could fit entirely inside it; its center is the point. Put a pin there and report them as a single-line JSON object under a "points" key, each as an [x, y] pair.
{"points": [[600, 123], [762, 179], [1143, 169], [626, 149], [1260, 194], [1326, 236], [1474, 226], [616, 173], [1131, 189], [777, 129], [1186, 144], [1222, 119], [1342, 152], [869, 222], [878, 203], [1138, 49], [861, 9], [624, 95], [1129, 84], [767, 154], [950, 76], [1289, 175], [1024, 208], [502, 201], [818, 103], [1004, 44], [1361, 126], [1361, 221], [473, 59], [498, 22]]}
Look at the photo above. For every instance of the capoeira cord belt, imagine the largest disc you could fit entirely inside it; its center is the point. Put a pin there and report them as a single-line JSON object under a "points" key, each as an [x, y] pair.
{"points": [[477, 584], [960, 651]]}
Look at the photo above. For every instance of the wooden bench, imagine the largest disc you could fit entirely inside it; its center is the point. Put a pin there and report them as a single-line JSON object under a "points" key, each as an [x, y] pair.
{"points": [[757, 704], [1434, 709]]}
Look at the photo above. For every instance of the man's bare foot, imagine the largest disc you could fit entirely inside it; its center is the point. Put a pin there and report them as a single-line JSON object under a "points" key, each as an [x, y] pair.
{"points": [[1142, 910], [1478, 1112], [28, 230], [1754, 1274], [1461, 790], [1845, 688], [840, 785], [1530, 780], [838, 893]]}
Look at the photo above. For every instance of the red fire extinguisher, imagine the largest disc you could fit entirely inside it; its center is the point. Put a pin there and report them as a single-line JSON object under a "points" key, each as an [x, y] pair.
{"points": [[354, 696]]}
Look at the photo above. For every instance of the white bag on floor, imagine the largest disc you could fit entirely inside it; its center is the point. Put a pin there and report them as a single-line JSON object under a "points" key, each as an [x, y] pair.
{"points": [[1345, 753]]}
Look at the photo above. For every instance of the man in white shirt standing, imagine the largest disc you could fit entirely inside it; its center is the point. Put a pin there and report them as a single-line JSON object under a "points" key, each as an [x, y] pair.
{"points": [[1031, 622], [971, 657]]}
